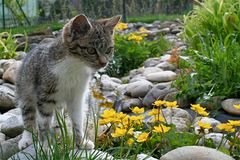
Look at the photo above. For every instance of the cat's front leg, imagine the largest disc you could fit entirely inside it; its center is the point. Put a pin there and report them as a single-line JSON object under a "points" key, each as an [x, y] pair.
{"points": [[77, 112]]}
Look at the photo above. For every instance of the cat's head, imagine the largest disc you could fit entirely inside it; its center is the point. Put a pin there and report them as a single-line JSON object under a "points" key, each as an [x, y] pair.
{"points": [[91, 41]]}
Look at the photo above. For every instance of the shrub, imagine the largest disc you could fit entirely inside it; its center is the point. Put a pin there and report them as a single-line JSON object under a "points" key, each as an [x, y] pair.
{"points": [[8, 46], [212, 31], [132, 50]]}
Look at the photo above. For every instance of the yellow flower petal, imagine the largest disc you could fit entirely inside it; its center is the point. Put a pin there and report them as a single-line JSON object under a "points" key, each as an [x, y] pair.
{"points": [[154, 112], [137, 110], [130, 141], [159, 103], [204, 125], [161, 129], [237, 106], [142, 137], [226, 127], [235, 123], [171, 104], [119, 132]]}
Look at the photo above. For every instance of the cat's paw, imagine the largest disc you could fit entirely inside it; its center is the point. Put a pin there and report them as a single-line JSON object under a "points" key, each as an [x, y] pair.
{"points": [[24, 143], [86, 144]]}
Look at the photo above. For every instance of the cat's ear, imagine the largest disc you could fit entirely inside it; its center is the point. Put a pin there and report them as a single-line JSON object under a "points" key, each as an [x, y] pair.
{"points": [[81, 24], [112, 22]]}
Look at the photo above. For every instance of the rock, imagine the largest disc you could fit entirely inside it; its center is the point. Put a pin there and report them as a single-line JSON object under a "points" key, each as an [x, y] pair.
{"points": [[223, 116], [145, 157], [137, 78], [97, 154], [164, 76], [108, 84], [163, 31], [149, 70], [182, 101], [166, 57], [151, 62], [116, 80], [182, 48], [228, 106], [2, 137], [15, 111], [157, 92], [9, 148], [196, 153], [175, 30], [180, 118], [10, 74], [212, 121], [6, 98], [138, 88], [1, 72], [1, 81], [4, 117], [166, 66], [3, 63], [10, 86], [210, 103], [13, 126], [216, 137], [29, 154], [135, 72], [166, 24], [128, 103]]}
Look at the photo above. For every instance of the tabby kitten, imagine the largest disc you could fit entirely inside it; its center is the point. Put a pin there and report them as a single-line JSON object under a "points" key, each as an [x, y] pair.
{"points": [[57, 73]]}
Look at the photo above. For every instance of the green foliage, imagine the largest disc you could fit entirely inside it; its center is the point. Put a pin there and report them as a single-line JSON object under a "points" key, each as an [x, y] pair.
{"points": [[8, 46], [14, 8], [130, 54], [212, 30], [152, 18]]}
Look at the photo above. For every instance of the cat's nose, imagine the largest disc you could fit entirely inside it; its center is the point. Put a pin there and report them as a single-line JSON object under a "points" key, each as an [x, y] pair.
{"points": [[103, 61]]}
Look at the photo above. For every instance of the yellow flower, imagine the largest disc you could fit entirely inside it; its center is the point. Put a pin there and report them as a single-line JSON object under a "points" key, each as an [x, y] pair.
{"points": [[237, 106], [204, 125], [133, 37], [130, 141], [108, 114], [158, 119], [125, 122], [161, 129], [130, 131], [142, 29], [121, 26], [121, 115], [154, 112], [200, 110], [142, 137], [226, 127], [137, 110], [97, 95], [235, 123], [171, 104], [119, 132], [137, 119], [106, 104], [103, 121], [159, 103]]}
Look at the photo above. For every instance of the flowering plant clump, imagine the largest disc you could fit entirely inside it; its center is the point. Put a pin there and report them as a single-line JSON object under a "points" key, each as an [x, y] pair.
{"points": [[121, 26], [153, 133]]}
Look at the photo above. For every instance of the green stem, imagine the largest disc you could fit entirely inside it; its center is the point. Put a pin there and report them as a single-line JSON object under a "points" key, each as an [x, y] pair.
{"points": [[220, 142]]}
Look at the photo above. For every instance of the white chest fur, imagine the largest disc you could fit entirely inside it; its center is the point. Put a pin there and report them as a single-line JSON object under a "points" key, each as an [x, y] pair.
{"points": [[73, 77]]}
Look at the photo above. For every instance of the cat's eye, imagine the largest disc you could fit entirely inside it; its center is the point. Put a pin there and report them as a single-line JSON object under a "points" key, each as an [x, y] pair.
{"points": [[91, 50], [109, 50]]}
